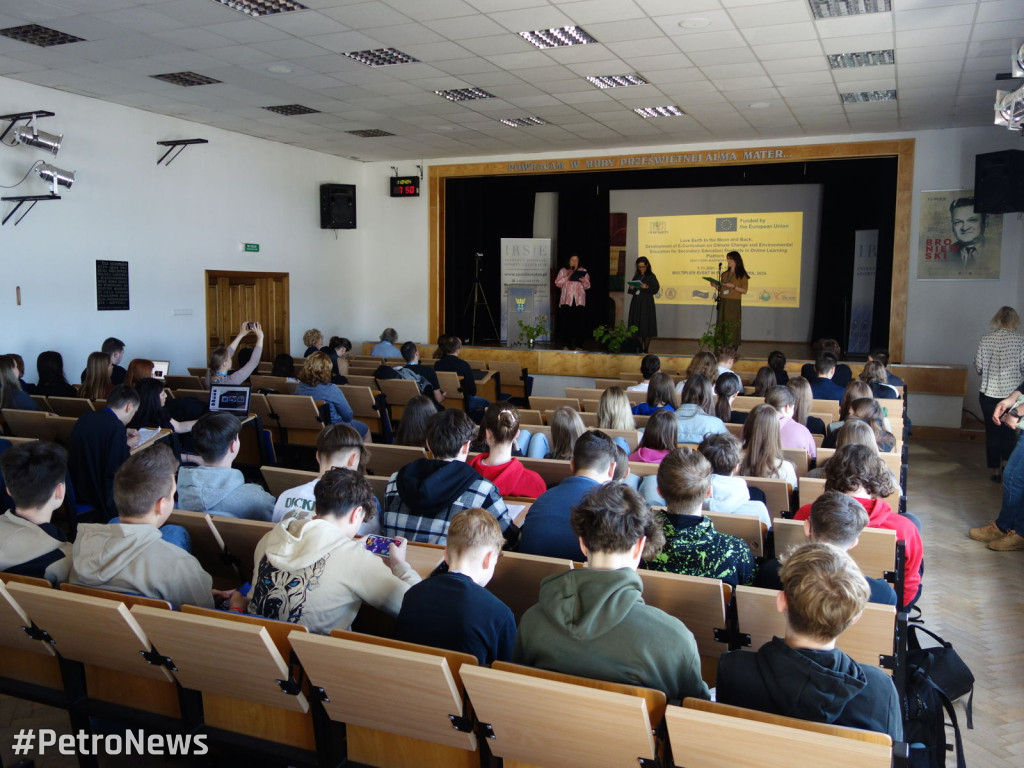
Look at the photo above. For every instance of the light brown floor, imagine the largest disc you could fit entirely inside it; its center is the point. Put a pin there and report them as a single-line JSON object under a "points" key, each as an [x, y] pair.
{"points": [[972, 597]]}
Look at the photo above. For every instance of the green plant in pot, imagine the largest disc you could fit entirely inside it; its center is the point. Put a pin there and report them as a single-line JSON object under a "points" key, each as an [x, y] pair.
{"points": [[533, 332], [718, 336], [612, 337]]}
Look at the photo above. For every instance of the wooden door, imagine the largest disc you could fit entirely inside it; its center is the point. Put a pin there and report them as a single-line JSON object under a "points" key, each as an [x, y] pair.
{"points": [[236, 297]]}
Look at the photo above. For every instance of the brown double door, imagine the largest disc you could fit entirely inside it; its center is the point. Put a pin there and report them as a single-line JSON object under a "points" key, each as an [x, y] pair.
{"points": [[236, 297]]}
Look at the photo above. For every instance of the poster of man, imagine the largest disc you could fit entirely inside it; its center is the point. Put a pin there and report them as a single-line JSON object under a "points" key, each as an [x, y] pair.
{"points": [[955, 242]]}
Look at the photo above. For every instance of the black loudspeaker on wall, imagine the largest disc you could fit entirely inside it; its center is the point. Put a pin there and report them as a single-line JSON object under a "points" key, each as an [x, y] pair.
{"points": [[999, 182], [337, 206]]}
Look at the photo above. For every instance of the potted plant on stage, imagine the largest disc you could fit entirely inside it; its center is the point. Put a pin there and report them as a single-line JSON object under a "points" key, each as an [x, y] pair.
{"points": [[718, 336], [533, 332], [612, 337]]}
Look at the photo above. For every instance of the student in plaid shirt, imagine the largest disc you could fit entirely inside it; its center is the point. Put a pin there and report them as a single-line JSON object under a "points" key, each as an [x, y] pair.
{"points": [[423, 496]]}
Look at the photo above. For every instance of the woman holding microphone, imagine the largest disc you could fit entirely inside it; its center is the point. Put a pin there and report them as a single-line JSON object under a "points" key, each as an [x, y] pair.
{"points": [[731, 292]]}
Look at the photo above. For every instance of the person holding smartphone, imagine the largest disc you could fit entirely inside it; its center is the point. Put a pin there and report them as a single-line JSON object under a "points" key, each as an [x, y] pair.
{"points": [[574, 281], [220, 358]]}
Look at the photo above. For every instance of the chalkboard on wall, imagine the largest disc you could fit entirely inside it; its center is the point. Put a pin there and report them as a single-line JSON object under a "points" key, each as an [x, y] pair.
{"points": [[112, 285]]}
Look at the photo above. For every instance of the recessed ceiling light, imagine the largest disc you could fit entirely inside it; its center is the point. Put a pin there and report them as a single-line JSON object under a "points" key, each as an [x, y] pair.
{"points": [[695, 23], [862, 96], [829, 9], [370, 133], [292, 109], [41, 36], [279, 69], [523, 122], [646, 112], [464, 94], [186, 79], [616, 81], [380, 57], [262, 7], [555, 38], [759, 105], [861, 59]]}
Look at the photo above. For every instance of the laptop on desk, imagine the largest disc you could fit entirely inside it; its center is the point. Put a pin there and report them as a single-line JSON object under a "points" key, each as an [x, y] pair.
{"points": [[230, 398], [161, 368]]}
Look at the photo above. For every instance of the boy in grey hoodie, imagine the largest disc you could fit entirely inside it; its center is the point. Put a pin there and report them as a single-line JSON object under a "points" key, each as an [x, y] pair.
{"points": [[130, 556], [312, 571], [215, 487]]}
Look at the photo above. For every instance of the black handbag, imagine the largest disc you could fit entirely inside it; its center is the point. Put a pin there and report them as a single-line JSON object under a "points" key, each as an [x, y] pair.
{"points": [[944, 666]]}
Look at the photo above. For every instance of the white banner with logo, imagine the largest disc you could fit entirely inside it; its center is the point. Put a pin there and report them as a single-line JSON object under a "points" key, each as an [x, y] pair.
{"points": [[862, 297], [525, 261]]}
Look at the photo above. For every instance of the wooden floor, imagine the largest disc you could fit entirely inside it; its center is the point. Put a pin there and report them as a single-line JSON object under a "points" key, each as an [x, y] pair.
{"points": [[972, 596]]}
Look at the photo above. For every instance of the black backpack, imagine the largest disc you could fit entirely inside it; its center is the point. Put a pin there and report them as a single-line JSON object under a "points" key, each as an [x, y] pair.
{"points": [[935, 677]]}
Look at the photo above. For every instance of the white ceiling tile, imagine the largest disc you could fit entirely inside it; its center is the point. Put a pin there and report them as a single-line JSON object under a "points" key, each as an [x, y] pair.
{"points": [[193, 38], [854, 74], [780, 33], [730, 38], [931, 53], [801, 78], [250, 31], [1000, 10], [467, 27], [997, 31], [718, 21], [745, 69], [742, 83], [928, 18], [866, 24], [542, 17], [723, 56], [142, 19], [934, 37], [506, 43], [767, 14], [435, 9], [599, 11], [651, 46], [652, 64], [858, 43], [804, 48], [634, 29], [292, 48], [343, 42], [366, 15], [806, 64]]}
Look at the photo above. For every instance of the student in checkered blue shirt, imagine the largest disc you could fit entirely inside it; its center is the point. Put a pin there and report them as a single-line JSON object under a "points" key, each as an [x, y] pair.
{"points": [[423, 496]]}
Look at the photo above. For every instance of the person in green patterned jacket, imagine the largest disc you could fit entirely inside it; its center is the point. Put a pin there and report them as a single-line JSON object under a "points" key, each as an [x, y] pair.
{"points": [[692, 545]]}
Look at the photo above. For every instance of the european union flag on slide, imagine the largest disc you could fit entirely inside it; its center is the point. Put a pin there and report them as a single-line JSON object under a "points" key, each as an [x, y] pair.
{"points": [[725, 224]]}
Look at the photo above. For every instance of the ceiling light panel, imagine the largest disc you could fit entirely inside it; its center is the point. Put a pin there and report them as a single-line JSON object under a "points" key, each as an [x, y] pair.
{"points": [[381, 57], [186, 79], [831, 9], [41, 36], [617, 81], [670, 111], [292, 109], [555, 38], [465, 94], [257, 8], [861, 59], [864, 96], [523, 122]]}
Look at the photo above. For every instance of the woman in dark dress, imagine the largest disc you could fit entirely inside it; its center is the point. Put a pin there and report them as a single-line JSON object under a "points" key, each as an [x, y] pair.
{"points": [[641, 310]]}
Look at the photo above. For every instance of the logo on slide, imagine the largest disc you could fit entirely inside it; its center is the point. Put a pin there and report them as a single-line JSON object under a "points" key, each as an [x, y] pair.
{"points": [[658, 227], [725, 224], [700, 294], [520, 305], [670, 293]]}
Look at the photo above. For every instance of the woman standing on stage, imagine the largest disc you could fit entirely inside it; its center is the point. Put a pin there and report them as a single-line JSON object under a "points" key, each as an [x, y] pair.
{"points": [[641, 309], [574, 282], [734, 286]]}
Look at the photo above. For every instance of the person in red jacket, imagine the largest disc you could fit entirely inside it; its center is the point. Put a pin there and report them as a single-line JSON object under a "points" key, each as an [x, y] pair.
{"points": [[501, 426], [858, 471]]}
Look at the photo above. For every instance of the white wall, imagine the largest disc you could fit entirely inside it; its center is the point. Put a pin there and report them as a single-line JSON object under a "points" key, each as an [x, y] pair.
{"points": [[170, 224]]}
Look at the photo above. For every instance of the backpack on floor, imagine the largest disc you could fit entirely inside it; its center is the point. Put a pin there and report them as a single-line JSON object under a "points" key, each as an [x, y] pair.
{"points": [[935, 676]]}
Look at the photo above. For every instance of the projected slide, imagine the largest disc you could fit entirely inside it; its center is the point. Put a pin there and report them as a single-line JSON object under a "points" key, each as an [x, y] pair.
{"points": [[685, 249]]}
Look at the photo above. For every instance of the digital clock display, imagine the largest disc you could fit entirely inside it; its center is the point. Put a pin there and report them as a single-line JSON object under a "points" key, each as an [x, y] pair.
{"points": [[405, 187]]}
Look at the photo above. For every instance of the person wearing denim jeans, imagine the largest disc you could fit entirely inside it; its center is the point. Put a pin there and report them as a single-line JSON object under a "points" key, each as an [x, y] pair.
{"points": [[1006, 534]]}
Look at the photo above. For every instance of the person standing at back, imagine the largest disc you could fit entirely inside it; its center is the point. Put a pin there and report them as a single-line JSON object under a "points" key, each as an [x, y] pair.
{"points": [[1000, 363], [735, 284], [573, 282]]}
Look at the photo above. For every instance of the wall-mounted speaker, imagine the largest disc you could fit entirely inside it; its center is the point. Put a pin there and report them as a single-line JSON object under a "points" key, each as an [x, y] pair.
{"points": [[337, 206], [999, 182]]}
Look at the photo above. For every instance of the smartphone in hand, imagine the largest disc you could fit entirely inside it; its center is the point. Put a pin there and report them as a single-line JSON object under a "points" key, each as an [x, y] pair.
{"points": [[378, 545]]}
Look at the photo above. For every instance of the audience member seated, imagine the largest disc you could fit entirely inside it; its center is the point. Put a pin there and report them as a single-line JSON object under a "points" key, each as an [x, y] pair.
{"points": [[155, 411], [452, 610], [11, 393], [727, 387], [423, 496], [882, 356], [777, 362], [659, 438], [660, 395], [52, 381], [450, 361], [593, 621], [704, 363], [855, 390], [425, 377], [874, 376], [729, 494], [692, 545], [386, 346], [96, 382], [412, 429], [859, 472], [315, 382], [801, 390], [835, 519], [100, 443], [501, 428], [30, 544], [114, 349], [216, 487], [131, 556], [866, 409], [854, 431], [138, 369], [693, 418], [764, 380], [220, 358], [338, 446], [793, 434], [843, 374], [313, 339], [822, 387], [762, 447], [337, 350], [546, 529], [726, 358], [614, 412], [314, 572], [566, 427], [284, 367], [649, 365], [19, 363], [804, 675]]}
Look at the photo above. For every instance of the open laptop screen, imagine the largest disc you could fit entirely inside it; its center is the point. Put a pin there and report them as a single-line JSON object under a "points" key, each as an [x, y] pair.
{"points": [[161, 368], [230, 398]]}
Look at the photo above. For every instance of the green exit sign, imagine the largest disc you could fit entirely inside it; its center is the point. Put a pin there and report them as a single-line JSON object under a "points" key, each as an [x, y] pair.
{"points": [[251, 247]]}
